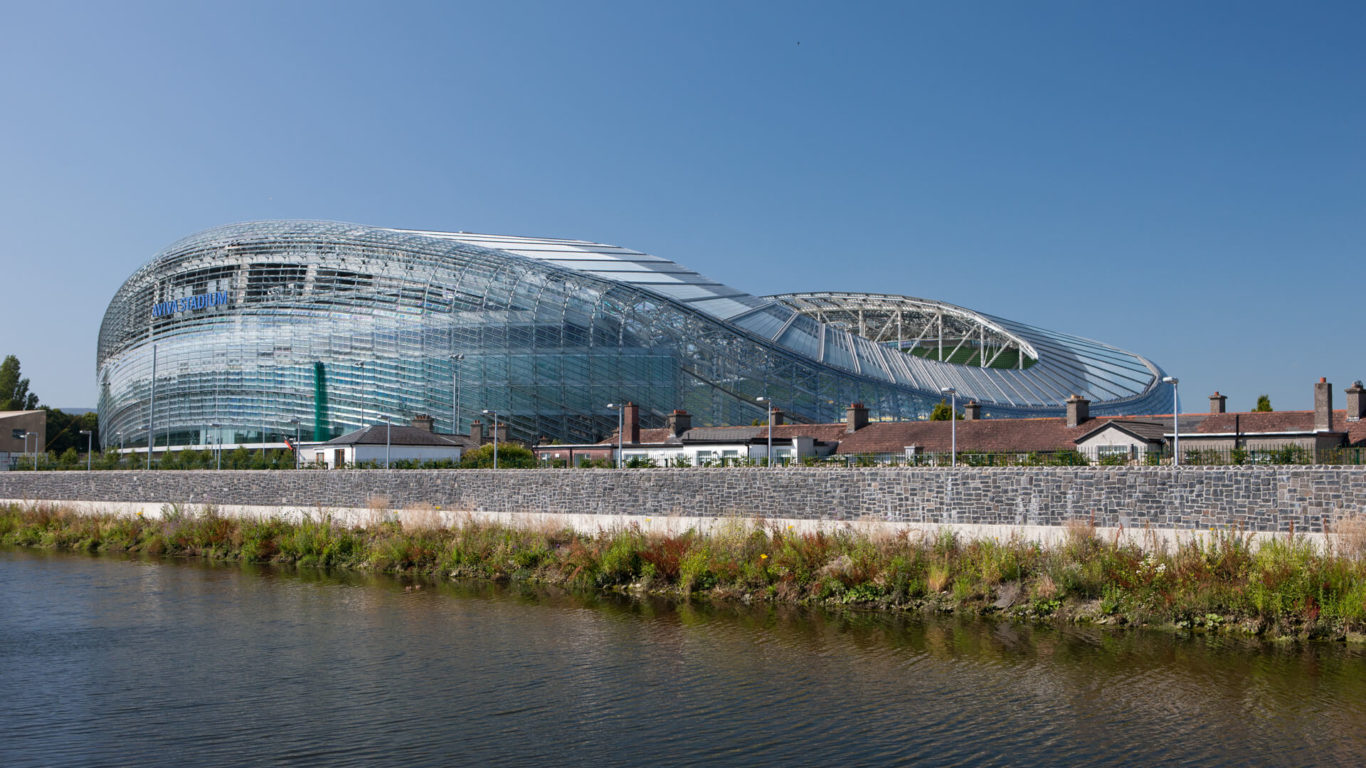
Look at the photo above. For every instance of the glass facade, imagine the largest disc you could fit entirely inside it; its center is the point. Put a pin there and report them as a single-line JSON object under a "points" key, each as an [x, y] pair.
{"points": [[254, 332]]}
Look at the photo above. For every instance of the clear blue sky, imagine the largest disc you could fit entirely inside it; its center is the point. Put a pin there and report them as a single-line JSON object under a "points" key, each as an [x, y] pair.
{"points": [[1183, 180]]}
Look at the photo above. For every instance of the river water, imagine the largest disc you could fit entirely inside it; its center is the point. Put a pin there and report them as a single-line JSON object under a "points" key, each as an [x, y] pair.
{"points": [[106, 661]]}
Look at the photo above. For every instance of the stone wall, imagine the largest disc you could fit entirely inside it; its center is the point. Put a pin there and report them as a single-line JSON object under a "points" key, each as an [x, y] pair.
{"points": [[1269, 499]]}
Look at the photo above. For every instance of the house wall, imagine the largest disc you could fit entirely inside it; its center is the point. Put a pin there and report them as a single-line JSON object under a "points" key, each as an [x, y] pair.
{"points": [[354, 454], [1091, 447], [29, 421]]}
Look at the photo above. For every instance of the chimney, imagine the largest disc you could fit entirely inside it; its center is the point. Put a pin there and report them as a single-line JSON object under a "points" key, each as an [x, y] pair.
{"points": [[855, 418], [678, 422], [972, 411], [1218, 403], [1078, 410], [477, 432], [423, 421], [777, 417], [1323, 406], [502, 430], [632, 419], [1356, 404]]}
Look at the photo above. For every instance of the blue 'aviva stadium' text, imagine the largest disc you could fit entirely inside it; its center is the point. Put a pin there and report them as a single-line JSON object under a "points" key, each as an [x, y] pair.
{"points": [[215, 299]]}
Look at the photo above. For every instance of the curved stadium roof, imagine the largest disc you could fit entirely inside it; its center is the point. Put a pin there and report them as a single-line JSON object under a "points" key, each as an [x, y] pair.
{"points": [[1051, 366], [336, 324]]}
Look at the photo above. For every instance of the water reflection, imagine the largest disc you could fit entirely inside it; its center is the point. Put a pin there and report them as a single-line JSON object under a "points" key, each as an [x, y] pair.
{"points": [[104, 660]]}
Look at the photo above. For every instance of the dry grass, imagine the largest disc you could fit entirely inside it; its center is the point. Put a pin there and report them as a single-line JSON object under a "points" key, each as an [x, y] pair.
{"points": [[422, 518], [1080, 533], [938, 578], [1045, 588], [1348, 536]]}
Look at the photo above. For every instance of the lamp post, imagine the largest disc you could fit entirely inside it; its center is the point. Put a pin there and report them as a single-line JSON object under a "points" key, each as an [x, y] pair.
{"points": [[33, 435], [388, 427], [360, 380], [455, 401], [296, 422], [151, 409], [89, 438], [768, 402], [621, 428], [494, 414], [217, 443], [953, 420], [1176, 422]]}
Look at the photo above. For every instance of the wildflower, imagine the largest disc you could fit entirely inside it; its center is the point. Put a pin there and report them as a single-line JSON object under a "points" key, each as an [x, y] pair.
{"points": [[763, 557]]}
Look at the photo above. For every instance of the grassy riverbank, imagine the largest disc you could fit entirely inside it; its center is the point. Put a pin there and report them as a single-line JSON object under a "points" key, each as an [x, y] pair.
{"points": [[1286, 588]]}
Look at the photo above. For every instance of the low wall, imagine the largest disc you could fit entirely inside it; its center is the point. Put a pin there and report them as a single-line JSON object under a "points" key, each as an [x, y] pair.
{"points": [[1253, 499]]}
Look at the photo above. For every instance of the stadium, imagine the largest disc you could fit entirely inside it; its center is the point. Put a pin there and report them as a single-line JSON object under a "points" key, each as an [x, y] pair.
{"points": [[253, 333]]}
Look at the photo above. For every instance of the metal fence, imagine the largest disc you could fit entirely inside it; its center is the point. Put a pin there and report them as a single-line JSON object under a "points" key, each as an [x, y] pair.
{"points": [[1288, 455]]}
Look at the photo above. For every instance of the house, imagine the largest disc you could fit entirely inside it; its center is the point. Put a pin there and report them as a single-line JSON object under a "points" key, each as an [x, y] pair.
{"points": [[1124, 440], [679, 443], [1077, 436], [1281, 435], [15, 426], [379, 443], [1044, 437]]}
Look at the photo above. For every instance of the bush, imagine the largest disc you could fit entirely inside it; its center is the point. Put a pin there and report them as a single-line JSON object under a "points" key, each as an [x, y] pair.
{"points": [[510, 456]]}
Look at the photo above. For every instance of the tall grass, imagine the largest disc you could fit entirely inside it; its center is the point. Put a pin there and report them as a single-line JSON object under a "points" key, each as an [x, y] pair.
{"points": [[1287, 586]]}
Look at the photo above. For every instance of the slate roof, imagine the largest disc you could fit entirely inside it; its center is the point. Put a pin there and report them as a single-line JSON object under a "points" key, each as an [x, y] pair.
{"points": [[1260, 422], [659, 436], [828, 433], [998, 435], [1266, 421], [991, 435], [1151, 431], [375, 435]]}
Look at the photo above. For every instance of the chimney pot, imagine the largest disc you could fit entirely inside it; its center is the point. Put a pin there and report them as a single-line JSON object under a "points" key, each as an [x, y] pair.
{"points": [[1078, 410], [1356, 404], [631, 418], [972, 411], [1323, 406], [679, 421], [855, 418]]}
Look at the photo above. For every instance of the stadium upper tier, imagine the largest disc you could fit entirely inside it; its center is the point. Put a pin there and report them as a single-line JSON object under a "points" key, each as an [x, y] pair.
{"points": [[262, 327]]}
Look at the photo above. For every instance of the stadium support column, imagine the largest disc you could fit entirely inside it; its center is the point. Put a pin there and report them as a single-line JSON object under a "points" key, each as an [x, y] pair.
{"points": [[321, 431]]}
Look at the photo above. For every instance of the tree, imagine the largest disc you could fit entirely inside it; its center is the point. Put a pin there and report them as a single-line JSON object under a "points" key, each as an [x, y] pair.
{"points": [[14, 394], [510, 456], [943, 412], [1263, 403], [64, 430]]}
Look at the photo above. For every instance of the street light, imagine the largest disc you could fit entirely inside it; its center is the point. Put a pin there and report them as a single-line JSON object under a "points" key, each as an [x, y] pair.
{"points": [[152, 410], [494, 414], [218, 443], [360, 382], [455, 403], [388, 426], [953, 419], [621, 427], [769, 403], [295, 421], [88, 440], [1176, 423], [33, 435]]}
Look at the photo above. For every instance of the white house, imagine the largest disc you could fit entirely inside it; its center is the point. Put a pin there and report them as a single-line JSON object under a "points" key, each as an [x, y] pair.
{"points": [[378, 443]]}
